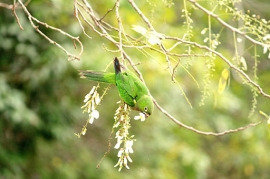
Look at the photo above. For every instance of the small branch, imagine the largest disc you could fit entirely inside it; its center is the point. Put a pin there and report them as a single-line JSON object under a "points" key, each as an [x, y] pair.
{"points": [[12, 7], [142, 15], [76, 9], [174, 70], [226, 61], [31, 19], [167, 60], [202, 132], [225, 24], [110, 10], [14, 13], [7, 6], [120, 46]]}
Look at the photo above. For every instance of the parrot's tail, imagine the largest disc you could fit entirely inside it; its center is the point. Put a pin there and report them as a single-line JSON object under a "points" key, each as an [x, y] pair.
{"points": [[117, 66], [98, 76]]}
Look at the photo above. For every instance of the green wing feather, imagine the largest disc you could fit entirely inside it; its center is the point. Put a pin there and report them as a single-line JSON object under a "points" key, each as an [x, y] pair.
{"points": [[104, 77], [130, 87], [125, 88]]}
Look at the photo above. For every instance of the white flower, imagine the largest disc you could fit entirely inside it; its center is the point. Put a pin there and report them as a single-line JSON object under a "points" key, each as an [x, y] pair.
{"points": [[119, 162], [94, 115], [122, 118], [84, 106], [125, 163], [141, 117], [97, 99], [129, 159], [155, 37], [84, 131], [88, 110], [91, 120], [215, 43], [264, 21], [86, 98], [93, 105], [120, 152], [116, 125], [239, 39], [266, 37], [95, 93], [92, 90], [265, 48], [128, 148], [117, 145], [117, 134], [125, 107], [204, 30], [119, 141]]}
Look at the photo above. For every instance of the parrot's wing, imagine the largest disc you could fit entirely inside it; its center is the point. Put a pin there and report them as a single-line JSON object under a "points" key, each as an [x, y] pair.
{"points": [[127, 87]]}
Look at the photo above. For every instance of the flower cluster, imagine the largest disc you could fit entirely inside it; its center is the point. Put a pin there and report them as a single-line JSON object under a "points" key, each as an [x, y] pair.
{"points": [[91, 101], [124, 140], [141, 116]]}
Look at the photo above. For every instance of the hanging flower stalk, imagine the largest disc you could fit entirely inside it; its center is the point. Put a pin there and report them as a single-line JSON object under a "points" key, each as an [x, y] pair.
{"points": [[124, 140], [91, 100]]}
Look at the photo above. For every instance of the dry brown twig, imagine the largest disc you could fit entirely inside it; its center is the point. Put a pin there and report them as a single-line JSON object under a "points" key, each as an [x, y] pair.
{"points": [[34, 20]]}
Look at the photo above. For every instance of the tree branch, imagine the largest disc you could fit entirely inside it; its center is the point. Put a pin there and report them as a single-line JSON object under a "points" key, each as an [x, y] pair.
{"points": [[32, 19], [103, 32], [226, 24]]}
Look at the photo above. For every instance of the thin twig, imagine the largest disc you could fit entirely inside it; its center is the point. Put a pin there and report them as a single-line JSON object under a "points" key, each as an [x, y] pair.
{"points": [[120, 26], [7, 6], [142, 15], [233, 29], [31, 19], [225, 60], [203, 132], [14, 13], [174, 70], [110, 10]]}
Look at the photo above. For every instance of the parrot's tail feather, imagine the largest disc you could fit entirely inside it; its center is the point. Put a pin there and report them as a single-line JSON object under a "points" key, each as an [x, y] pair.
{"points": [[117, 66], [98, 76]]}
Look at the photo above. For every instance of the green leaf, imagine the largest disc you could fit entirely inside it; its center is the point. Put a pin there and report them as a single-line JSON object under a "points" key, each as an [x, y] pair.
{"points": [[223, 81]]}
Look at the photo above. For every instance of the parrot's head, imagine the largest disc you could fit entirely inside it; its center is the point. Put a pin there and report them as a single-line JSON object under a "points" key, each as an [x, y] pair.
{"points": [[145, 105]]}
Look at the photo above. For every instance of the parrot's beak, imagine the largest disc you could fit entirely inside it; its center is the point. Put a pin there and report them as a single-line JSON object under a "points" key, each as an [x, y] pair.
{"points": [[146, 114]]}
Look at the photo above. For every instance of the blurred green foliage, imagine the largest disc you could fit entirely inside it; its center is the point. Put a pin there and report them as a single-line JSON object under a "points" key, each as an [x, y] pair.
{"points": [[41, 95]]}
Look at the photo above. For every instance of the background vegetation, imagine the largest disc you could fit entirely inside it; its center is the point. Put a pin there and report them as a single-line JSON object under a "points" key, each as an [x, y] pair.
{"points": [[41, 94]]}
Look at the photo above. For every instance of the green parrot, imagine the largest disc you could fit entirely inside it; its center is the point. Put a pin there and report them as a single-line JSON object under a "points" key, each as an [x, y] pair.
{"points": [[131, 89]]}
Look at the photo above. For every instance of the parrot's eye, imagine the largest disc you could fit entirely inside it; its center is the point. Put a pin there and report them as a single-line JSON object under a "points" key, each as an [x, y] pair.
{"points": [[145, 108]]}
